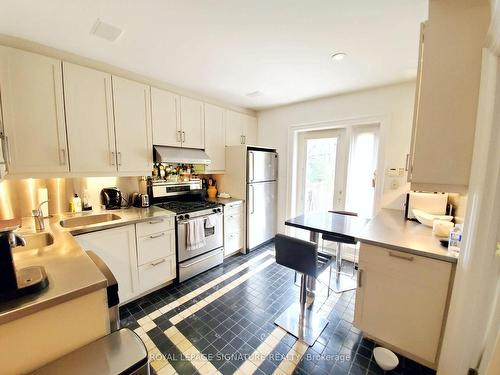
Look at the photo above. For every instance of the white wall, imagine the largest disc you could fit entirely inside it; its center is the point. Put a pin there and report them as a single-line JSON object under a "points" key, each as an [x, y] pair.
{"points": [[394, 102]]}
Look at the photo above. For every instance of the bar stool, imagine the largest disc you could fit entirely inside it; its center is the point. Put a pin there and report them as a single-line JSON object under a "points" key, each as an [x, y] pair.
{"points": [[301, 256], [342, 281]]}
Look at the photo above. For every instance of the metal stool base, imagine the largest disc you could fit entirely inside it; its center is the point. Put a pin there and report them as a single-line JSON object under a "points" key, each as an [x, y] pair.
{"points": [[311, 328], [342, 283]]}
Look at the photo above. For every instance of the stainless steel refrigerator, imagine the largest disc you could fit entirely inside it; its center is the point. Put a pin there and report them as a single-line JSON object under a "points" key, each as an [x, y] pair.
{"points": [[261, 185]]}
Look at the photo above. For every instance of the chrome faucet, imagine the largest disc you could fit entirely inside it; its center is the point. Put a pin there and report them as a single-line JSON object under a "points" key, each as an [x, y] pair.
{"points": [[38, 216]]}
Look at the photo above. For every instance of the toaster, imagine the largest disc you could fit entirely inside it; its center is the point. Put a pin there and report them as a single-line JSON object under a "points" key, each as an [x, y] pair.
{"points": [[140, 200]]}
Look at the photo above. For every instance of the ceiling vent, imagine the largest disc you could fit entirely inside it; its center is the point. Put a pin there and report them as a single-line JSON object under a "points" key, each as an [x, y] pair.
{"points": [[106, 31]]}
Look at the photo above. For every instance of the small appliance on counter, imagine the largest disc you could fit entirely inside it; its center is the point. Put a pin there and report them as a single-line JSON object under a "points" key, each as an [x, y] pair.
{"points": [[430, 203], [140, 200], [15, 283], [111, 198]]}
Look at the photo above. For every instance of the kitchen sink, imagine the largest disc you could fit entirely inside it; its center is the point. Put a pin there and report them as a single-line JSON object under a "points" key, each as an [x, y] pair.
{"points": [[35, 241], [88, 220]]}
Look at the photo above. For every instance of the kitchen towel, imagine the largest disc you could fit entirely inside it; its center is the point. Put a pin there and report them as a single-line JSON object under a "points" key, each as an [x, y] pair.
{"points": [[210, 221], [195, 234]]}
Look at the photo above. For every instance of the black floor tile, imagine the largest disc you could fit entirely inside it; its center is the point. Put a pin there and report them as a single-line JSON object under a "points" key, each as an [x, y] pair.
{"points": [[229, 329]]}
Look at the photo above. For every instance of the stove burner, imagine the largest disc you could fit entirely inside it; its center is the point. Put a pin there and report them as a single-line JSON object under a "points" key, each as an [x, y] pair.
{"points": [[182, 207]]}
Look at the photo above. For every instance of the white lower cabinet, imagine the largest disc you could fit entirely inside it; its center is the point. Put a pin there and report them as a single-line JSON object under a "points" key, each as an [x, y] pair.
{"points": [[401, 301], [156, 273], [117, 248], [141, 256], [233, 228]]}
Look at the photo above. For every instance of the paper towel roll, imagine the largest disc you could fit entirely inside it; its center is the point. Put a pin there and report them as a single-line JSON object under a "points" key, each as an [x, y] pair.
{"points": [[43, 196]]}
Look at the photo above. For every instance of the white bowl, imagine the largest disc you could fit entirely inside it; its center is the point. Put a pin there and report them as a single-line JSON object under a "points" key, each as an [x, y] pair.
{"points": [[386, 359], [428, 219]]}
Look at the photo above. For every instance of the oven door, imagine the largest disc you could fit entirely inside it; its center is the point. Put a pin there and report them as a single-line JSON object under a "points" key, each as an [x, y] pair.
{"points": [[214, 237]]}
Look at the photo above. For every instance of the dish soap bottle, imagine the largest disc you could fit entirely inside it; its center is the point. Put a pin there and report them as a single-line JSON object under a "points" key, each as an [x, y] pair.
{"points": [[77, 203], [455, 239]]}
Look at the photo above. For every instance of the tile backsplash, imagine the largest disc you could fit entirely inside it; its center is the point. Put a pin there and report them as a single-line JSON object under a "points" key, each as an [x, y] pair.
{"points": [[19, 197]]}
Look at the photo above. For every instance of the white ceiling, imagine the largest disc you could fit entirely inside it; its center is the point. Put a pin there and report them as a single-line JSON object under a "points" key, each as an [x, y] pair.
{"points": [[228, 48]]}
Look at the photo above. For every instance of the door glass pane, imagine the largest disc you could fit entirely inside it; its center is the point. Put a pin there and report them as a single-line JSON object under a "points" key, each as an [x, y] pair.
{"points": [[320, 174], [362, 165]]}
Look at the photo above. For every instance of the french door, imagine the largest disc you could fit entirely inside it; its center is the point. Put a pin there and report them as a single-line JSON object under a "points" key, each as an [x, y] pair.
{"points": [[337, 170], [320, 177]]}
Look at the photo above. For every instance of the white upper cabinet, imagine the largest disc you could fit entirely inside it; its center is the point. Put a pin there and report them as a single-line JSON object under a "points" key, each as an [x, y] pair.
{"points": [[192, 123], [89, 114], [233, 128], [134, 147], [241, 129], [215, 137], [33, 113], [165, 117], [447, 94], [249, 130]]}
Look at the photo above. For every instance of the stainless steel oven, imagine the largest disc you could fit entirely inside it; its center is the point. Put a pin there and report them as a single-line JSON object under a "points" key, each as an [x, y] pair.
{"points": [[189, 204], [194, 261], [213, 236]]}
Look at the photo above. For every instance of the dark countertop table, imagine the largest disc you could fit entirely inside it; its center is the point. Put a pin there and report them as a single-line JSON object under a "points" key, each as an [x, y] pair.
{"points": [[387, 229]]}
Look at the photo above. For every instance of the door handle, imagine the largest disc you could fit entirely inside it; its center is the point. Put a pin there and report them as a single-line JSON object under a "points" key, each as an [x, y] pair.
{"points": [[7, 149], [407, 163], [183, 136], [409, 258], [156, 221], [253, 200], [251, 166], [112, 158], [119, 158], [154, 264], [157, 235], [62, 156]]}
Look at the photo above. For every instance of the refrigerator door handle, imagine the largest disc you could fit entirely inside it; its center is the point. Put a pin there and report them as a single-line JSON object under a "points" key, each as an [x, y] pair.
{"points": [[252, 200], [251, 166]]}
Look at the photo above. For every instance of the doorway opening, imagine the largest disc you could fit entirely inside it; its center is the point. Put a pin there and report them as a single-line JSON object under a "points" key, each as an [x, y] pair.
{"points": [[337, 170]]}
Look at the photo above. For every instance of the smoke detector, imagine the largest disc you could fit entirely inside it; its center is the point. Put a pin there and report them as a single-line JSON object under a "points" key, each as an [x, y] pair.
{"points": [[106, 31]]}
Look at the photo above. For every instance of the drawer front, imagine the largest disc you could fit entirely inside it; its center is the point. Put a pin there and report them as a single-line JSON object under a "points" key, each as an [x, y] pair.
{"points": [[232, 224], [155, 246], [234, 209], [155, 225], [156, 273], [232, 243], [422, 270]]}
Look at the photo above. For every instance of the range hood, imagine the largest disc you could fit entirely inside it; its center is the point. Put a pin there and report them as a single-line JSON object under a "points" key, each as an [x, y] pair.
{"points": [[166, 154]]}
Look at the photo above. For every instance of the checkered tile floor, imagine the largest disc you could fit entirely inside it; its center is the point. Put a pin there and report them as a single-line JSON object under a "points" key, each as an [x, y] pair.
{"points": [[222, 321]]}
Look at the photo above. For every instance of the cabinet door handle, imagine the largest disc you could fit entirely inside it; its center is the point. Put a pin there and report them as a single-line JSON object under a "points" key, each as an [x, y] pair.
{"points": [[178, 136], [63, 156], [244, 139], [360, 276], [155, 221], [154, 264], [157, 235], [119, 158], [183, 136], [112, 158], [407, 164], [409, 258], [7, 149]]}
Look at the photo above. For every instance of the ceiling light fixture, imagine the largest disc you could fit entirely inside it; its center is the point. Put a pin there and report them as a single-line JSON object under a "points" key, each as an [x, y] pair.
{"points": [[339, 56]]}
